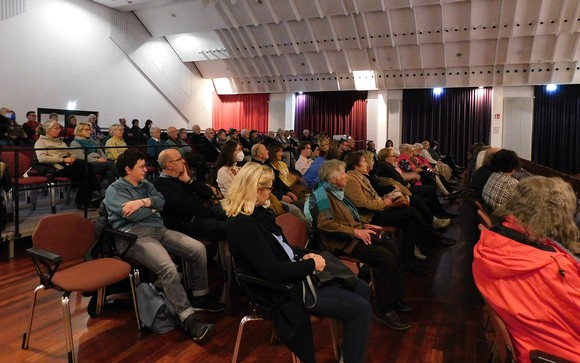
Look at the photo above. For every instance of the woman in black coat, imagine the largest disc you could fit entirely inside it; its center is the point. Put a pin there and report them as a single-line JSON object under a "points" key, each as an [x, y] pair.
{"points": [[259, 247]]}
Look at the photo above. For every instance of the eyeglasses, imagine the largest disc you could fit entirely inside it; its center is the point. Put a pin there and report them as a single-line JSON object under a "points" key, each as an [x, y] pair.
{"points": [[180, 159], [86, 129], [267, 188]]}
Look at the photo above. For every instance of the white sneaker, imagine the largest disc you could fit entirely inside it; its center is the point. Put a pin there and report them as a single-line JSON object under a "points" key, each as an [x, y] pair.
{"points": [[439, 223], [418, 255]]}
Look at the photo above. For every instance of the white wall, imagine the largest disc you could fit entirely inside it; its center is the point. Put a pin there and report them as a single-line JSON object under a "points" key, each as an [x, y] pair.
{"points": [[59, 51]]}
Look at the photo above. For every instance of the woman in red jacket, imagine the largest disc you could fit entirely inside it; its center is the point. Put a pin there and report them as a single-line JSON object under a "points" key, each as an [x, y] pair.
{"points": [[529, 279]]}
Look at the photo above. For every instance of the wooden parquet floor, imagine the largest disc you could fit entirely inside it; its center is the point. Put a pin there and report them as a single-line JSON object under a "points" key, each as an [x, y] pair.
{"points": [[448, 319]]}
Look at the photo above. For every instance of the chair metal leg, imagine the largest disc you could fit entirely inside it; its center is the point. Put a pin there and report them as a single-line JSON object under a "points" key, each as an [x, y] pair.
{"points": [[243, 322], [26, 336], [132, 279], [52, 197], [226, 261], [100, 301], [68, 328], [335, 347]]}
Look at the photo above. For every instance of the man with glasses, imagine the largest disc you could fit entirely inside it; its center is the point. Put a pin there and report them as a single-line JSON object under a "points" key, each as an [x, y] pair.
{"points": [[188, 203], [195, 161], [133, 205]]}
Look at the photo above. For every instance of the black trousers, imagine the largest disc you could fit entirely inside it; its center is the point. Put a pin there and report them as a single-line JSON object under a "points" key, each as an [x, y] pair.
{"points": [[384, 260], [415, 230], [429, 195], [82, 173]]}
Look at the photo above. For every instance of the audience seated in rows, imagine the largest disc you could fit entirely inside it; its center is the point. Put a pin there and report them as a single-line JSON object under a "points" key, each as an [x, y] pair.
{"points": [[501, 182], [294, 182], [259, 246], [526, 272], [155, 144], [227, 164], [343, 232], [188, 207], [388, 211], [388, 167], [94, 153], [116, 145], [194, 161], [133, 205], [482, 174], [311, 175], [56, 159], [409, 164], [304, 161]]}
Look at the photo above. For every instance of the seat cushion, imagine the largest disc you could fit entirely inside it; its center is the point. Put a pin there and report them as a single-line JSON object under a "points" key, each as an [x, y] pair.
{"points": [[92, 275]]}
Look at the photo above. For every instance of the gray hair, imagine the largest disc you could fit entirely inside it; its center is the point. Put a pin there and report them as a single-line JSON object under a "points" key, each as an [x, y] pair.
{"points": [[418, 146], [115, 127], [331, 169], [153, 129], [405, 147], [49, 124]]}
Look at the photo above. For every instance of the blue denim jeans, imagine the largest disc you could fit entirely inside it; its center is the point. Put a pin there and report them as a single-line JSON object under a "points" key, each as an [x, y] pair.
{"points": [[153, 248], [354, 309]]}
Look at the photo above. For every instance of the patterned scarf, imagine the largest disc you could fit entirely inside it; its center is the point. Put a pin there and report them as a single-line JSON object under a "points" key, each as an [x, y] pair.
{"points": [[87, 144], [318, 203]]}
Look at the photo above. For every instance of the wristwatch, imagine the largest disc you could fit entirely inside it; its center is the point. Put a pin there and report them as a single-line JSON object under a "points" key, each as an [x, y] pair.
{"points": [[144, 200]]}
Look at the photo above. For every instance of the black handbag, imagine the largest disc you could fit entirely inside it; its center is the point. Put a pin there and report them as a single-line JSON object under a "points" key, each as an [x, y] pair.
{"points": [[335, 272]]}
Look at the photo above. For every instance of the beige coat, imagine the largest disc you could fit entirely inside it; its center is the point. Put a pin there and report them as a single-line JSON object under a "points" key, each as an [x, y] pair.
{"points": [[54, 157], [343, 223], [362, 196]]}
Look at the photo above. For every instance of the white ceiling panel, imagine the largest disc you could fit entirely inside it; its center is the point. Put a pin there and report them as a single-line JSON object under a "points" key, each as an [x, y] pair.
{"points": [[278, 46]]}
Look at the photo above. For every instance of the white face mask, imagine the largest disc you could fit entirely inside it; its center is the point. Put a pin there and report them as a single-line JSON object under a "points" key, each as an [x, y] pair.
{"points": [[240, 156]]}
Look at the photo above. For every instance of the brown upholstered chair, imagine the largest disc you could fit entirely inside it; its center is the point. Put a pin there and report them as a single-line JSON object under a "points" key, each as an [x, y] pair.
{"points": [[503, 349], [484, 219], [63, 240]]}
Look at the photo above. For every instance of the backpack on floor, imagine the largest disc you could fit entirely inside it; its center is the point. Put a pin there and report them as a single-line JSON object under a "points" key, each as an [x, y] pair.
{"points": [[155, 312]]}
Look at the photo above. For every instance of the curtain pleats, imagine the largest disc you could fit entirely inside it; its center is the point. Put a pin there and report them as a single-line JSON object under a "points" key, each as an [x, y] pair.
{"points": [[456, 118], [556, 128], [246, 111], [336, 113]]}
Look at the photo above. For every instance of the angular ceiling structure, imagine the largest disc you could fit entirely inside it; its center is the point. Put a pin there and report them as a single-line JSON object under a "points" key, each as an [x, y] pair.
{"points": [[314, 45]]}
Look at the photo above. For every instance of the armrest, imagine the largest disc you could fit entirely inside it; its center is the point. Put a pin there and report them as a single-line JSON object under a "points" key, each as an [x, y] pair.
{"points": [[44, 255], [251, 279], [115, 233], [538, 356], [46, 264]]}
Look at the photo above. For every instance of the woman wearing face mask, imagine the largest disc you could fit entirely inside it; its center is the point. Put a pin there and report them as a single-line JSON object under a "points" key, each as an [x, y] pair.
{"points": [[226, 164]]}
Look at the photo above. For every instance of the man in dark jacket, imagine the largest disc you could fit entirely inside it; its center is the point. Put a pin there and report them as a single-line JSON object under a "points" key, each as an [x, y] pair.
{"points": [[187, 202]]}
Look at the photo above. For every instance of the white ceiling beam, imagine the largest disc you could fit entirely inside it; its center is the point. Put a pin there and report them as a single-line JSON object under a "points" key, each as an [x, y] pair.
{"points": [[272, 39], [231, 18], [290, 64], [333, 31], [254, 41], [251, 13], [367, 33], [247, 48], [383, 5], [295, 10], [356, 6], [328, 64], [343, 7], [309, 63], [273, 65], [312, 35], [357, 34], [291, 37], [319, 9], [227, 42], [272, 11]]}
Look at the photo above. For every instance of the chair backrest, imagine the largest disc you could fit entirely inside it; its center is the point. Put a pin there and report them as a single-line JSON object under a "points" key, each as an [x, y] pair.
{"points": [[294, 229], [68, 235], [503, 342], [9, 157], [479, 205], [484, 218], [482, 227]]}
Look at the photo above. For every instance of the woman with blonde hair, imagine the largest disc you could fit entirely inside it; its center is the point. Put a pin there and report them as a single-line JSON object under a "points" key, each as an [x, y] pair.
{"points": [[54, 157], [94, 154], [115, 146], [259, 247], [524, 269]]}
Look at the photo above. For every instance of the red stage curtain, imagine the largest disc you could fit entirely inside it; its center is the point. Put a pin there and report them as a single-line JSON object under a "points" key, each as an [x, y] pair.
{"points": [[247, 111], [336, 113]]}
